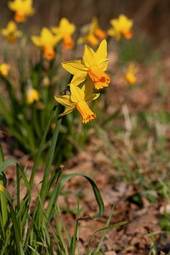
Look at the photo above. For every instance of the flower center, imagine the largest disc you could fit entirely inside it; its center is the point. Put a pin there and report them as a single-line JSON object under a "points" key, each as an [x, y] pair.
{"points": [[100, 33], [127, 34], [68, 42], [19, 17], [100, 78], [85, 111], [49, 53]]}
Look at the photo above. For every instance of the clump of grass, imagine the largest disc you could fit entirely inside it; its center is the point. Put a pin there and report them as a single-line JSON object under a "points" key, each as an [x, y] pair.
{"points": [[27, 229]]}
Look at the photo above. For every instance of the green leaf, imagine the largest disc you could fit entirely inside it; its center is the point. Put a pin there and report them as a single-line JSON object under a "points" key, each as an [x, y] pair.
{"points": [[63, 179], [73, 240], [4, 207], [95, 189], [49, 161]]}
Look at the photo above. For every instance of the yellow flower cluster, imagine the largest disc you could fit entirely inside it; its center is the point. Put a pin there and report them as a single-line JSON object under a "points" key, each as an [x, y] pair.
{"points": [[50, 37], [89, 73], [22, 10], [88, 77], [63, 32], [93, 34]]}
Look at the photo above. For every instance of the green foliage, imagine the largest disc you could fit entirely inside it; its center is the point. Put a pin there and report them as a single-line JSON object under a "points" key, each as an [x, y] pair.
{"points": [[27, 229]]}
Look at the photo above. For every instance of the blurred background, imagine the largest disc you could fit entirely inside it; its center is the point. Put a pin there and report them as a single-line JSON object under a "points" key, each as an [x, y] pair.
{"points": [[152, 16], [126, 149]]}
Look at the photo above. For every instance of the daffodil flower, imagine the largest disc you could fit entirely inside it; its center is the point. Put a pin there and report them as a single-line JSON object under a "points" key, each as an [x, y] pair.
{"points": [[32, 95], [122, 26], [93, 33], [64, 32], [22, 9], [130, 75], [79, 99], [11, 32], [93, 65], [4, 69], [47, 41]]}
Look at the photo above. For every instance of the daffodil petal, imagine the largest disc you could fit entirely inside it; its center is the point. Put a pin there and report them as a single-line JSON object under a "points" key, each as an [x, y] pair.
{"points": [[88, 56], [77, 94], [64, 100], [74, 67], [36, 40], [78, 79], [103, 65], [101, 52], [101, 56]]}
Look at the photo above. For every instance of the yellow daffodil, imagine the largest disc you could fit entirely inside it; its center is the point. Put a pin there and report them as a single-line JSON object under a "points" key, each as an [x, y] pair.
{"points": [[130, 75], [4, 69], [22, 9], [64, 32], [32, 95], [79, 99], [11, 33], [47, 41], [122, 26], [93, 33], [93, 65]]}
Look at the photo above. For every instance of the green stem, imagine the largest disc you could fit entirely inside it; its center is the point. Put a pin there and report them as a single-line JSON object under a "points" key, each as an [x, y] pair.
{"points": [[41, 147], [49, 161]]}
